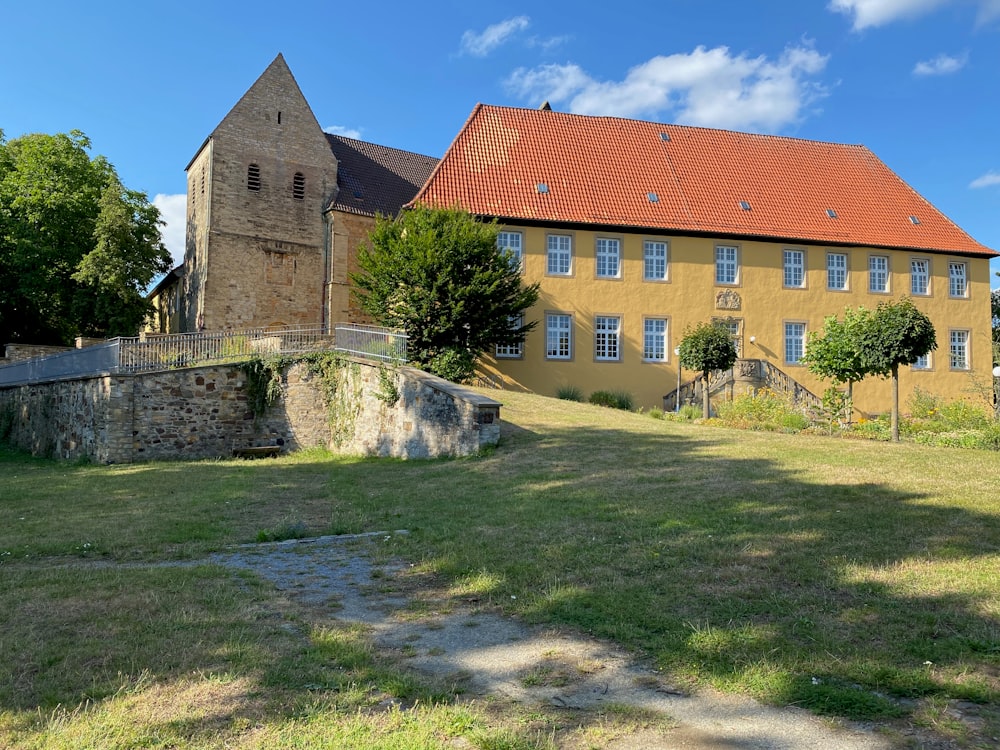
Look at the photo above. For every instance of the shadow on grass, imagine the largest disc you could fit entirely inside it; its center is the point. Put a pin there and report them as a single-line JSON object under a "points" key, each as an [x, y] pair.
{"points": [[770, 569]]}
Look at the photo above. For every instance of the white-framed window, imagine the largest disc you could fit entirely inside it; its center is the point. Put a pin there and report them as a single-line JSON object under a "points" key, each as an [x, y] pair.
{"points": [[608, 258], [794, 264], [795, 342], [727, 264], [878, 273], [958, 350], [513, 244], [735, 328], [654, 340], [558, 336], [920, 277], [654, 260], [922, 363], [559, 255], [607, 338], [836, 271], [958, 279], [512, 351]]}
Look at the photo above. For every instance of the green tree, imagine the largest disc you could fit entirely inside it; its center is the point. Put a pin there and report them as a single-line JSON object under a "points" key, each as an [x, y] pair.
{"points": [[896, 333], [77, 249], [836, 352], [437, 275], [706, 348]]}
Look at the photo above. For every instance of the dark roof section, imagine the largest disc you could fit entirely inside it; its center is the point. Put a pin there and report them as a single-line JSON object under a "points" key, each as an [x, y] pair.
{"points": [[374, 179]]}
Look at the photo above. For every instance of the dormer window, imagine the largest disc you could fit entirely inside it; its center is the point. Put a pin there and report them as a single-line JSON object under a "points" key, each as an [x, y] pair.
{"points": [[299, 186], [253, 178]]}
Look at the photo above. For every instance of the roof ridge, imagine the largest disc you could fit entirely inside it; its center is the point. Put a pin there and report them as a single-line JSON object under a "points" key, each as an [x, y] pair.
{"points": [[657, 123]]}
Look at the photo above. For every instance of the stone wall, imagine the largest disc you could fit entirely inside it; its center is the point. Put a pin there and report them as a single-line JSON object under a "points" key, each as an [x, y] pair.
{"points": [[20, 352], [203, 413]]}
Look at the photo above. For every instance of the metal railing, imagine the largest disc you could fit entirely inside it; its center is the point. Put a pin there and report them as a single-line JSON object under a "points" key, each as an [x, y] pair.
{"points": [[151, 352], [371, 342]]}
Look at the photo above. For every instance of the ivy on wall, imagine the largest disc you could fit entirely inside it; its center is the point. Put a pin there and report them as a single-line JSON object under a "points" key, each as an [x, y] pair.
{"points": [[265, 385]]}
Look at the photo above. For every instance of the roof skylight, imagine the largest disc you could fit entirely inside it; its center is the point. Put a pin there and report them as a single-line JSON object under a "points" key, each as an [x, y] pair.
{"points": [[541, 187], [665, 137], [653, 197], [831, 213], [745, 205], [914, 220]]}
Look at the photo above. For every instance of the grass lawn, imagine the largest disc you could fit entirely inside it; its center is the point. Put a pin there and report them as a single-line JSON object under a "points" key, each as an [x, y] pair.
{"points": [[856, 579]]}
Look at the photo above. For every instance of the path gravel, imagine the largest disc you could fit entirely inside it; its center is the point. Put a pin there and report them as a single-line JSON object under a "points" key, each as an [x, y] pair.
{"points": [[504, 659]]}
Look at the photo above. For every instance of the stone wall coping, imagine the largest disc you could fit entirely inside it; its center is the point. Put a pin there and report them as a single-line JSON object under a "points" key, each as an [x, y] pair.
{"points": [[452, 389]]}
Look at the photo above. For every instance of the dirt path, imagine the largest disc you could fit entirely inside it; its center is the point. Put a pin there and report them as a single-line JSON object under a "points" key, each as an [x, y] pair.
{"points": [[504, 660]]}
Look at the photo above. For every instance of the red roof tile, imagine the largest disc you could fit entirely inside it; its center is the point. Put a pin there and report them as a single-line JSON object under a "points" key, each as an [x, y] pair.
{"points": [[601, 170]]}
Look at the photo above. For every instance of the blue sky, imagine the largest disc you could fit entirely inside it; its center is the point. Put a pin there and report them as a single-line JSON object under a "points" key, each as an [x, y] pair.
{"points": [[916, 81]]}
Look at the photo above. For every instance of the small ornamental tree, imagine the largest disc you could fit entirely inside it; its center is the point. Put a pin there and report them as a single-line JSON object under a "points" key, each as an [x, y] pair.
{"points": [[437, 275], [836, 353], [706, 348], [896, 333]]}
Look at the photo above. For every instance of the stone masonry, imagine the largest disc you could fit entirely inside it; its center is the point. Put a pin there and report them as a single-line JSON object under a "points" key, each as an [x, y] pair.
{"points": [[256, 244], [203, 413]]}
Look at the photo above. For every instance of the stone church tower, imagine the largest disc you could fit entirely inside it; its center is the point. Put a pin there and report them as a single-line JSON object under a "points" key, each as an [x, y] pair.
{"points": [[256, 251]]}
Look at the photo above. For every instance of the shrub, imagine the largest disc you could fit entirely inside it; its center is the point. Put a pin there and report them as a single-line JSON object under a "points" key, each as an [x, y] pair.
{"points": [[964, 415], [923, 405], [612, 399], [763, 410], [877, 428], [656, 413], [689, 412], [569, 393]]}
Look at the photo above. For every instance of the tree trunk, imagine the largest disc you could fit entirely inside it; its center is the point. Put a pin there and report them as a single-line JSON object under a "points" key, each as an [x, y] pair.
{"points": [[704, 395], [895, 403], [850, 402]]}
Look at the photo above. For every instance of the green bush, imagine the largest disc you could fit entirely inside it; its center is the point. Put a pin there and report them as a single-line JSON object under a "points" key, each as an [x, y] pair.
{"points": [[689, 412], [569, 393], [763, 410], [612, 399], [656, 413], [877, 428]]}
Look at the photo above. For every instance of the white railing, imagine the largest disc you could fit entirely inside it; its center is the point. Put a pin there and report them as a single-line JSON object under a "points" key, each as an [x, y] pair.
{"points": [[149, 353]]}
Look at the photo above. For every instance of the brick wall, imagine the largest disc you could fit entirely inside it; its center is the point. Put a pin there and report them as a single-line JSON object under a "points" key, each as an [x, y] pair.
{"points": [[203, 413]]}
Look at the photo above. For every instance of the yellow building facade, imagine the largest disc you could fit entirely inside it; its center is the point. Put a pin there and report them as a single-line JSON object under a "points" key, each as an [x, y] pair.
{"points": [[637, 231], [625, 325]]}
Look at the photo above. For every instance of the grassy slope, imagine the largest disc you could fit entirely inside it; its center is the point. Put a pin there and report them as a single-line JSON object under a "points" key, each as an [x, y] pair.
{"points": [[839, 575]]}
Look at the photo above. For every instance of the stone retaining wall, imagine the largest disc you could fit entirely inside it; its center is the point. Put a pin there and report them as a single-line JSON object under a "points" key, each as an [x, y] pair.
{"points": [[203, 412]]}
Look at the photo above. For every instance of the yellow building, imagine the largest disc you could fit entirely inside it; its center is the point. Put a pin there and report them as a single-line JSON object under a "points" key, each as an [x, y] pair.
{"points": [[638, 230]]}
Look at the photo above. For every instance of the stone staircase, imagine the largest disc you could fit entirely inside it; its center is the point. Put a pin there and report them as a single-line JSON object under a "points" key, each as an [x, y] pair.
{"points": [[746, 376]]}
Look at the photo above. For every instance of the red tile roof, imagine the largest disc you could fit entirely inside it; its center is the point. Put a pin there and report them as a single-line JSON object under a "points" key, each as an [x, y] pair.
{"points": [[602, 170]]}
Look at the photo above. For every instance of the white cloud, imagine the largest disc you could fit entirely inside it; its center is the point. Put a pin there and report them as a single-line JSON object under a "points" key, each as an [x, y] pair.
{"points": [[173, 211], [710, 88], [550, 44], [940, 66], [341, 130], [870, 13], [989, 179], [989, 10], [480, 45]]}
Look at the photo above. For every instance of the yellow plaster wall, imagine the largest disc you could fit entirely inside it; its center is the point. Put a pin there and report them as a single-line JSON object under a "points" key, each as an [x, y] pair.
{"points": [[689, 297]]}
